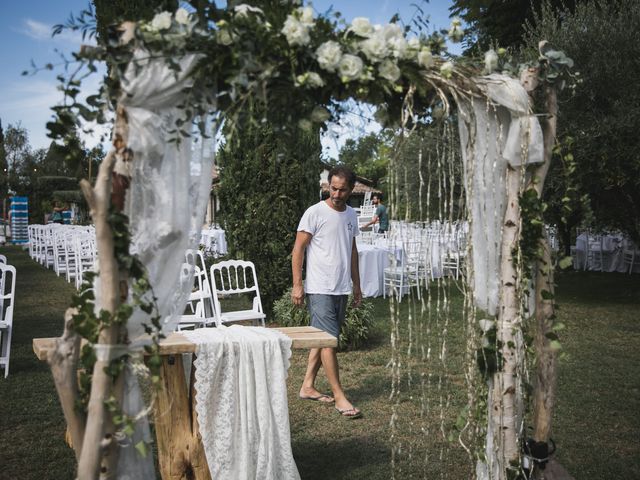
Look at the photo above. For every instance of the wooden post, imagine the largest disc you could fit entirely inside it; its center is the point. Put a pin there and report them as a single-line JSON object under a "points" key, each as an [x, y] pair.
{"points": [[63, 360], [545, 387], [504, 390], [180, 450], [98, 440]]}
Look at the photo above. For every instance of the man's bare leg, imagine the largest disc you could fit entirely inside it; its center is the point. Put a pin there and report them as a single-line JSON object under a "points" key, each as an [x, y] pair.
{"points": [[313, 365], [331, 369]]}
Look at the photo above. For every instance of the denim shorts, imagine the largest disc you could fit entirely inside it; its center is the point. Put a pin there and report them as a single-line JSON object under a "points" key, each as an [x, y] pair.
{"points": [[327, 312]]}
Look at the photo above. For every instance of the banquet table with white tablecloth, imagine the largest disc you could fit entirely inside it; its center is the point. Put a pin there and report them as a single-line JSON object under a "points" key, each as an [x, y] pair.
{"points": [[604, 252], [214, 241]]}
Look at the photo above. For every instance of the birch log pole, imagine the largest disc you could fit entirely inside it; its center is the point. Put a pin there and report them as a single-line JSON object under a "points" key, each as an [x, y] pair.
{"points": [[63, 360], [504, 390], [99, 440], [545, 388]]}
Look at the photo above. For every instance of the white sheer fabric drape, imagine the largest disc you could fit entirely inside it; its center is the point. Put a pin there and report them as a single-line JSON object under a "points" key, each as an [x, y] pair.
{"points": [[170, 182], [241, 402], [495, 132], [169, 189]]}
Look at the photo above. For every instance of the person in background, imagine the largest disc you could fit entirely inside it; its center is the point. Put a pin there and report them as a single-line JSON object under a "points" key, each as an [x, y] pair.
{"points": [[380, 216], [327, 233], [56, 215]]}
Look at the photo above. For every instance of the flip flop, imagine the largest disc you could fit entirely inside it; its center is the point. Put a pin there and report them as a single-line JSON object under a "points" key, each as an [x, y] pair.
{"points": [[318, 398], [350, 413]]}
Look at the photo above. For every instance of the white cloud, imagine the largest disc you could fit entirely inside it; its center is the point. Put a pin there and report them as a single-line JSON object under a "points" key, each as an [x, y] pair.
{"points": [[29, 103], [42, 31]]}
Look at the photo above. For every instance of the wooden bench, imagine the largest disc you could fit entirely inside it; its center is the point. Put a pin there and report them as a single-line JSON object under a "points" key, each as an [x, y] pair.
{"points": [[180, 451]]}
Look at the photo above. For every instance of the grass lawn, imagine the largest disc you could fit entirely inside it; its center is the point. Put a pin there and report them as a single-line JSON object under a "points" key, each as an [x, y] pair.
{"points": [[596, 425]]}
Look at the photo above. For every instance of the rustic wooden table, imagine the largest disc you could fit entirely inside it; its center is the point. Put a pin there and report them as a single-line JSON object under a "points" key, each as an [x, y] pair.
{"points": [[180, 451]]}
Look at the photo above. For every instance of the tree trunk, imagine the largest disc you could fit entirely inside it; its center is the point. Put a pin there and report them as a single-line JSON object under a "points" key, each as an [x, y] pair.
{"points": [[503, 397], [544, 395], [63, 360], [98, 440]]}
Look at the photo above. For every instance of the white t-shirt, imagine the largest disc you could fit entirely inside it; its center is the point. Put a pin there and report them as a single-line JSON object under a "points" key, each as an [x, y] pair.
{"points": [[329, 251]]}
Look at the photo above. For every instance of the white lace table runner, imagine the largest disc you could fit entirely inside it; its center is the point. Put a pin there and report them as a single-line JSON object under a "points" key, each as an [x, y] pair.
{"points": [[241, 395]]}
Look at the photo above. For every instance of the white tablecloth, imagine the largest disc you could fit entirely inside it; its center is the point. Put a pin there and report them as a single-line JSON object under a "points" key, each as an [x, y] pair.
{"points": [[241, 402], [613, 246], [214, 236], [372, 262]]}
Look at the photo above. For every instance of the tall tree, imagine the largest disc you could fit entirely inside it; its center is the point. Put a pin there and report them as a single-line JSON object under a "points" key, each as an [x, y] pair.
{"points": [[602, 115], [367, 156], [4, 166], [498, 21], [267, 181], [112, 12]]}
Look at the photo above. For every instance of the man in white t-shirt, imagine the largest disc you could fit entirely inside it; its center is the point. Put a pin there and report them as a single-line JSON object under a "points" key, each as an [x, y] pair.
{"points": [[327, 233]]}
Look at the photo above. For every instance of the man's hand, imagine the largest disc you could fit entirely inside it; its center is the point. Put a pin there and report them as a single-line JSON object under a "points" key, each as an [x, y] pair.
{"points": [[297, 295], [357, 297]]}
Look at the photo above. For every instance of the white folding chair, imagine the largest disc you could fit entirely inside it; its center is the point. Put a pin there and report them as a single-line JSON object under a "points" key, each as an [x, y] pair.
{"points": [[7, 299], [236, 277], [201, 297], [3, 259], [198, 317], [629, 258], [399, 277], [595, 260]]}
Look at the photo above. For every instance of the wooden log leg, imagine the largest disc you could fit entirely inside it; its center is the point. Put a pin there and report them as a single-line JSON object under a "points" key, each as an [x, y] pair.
{"points": [[180, 452]]}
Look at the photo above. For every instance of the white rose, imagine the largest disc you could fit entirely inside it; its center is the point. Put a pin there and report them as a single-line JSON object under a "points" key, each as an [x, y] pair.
{"points": [[182, 16], [243, 10], [455, 30], [456, 33], [398, 47], [350, 67], [320, 115], [306, 16], [392, 30], [310, 79], [425, 57], [362, 27], [414, 43], [329, 55], [161, 21], [295, 31], [374, 47], [314, 80], [413, 47], [389, 70], [446, 69], [490, 61]]}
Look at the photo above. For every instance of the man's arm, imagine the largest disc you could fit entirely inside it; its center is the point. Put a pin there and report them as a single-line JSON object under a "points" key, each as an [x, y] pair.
{"points": [[297, 259], [375, 219], [355, 275]]}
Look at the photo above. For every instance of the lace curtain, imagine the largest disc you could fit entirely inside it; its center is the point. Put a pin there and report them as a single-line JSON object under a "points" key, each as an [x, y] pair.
{"points": [[495, 131], [166, 202]]}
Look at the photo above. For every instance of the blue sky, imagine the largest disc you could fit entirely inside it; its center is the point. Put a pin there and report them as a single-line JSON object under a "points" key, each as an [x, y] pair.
{"points": [[25, 35]]}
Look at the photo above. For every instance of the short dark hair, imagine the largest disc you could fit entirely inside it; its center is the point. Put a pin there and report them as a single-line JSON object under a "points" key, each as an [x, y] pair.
{"points": [[377, 195], [343, 172]]}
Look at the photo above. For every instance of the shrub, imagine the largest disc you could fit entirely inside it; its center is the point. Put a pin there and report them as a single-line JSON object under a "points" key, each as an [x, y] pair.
{"points": [[355, 328]]}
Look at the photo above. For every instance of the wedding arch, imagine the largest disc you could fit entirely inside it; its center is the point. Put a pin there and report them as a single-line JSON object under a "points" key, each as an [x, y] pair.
{"points": [[175, 80]]}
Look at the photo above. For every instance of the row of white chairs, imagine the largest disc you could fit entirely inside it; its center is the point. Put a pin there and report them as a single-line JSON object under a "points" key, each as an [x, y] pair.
{"points": [[427, 250], [223, 280], [7, 302], [70, 250]]}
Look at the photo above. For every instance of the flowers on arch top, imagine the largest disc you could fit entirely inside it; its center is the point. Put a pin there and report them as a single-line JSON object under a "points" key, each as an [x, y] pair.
{"points": [[298, 25]]}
